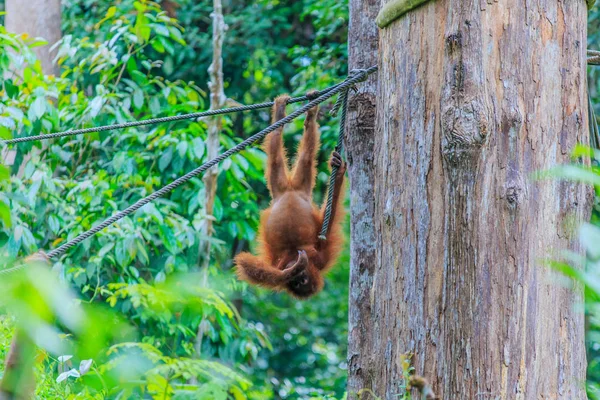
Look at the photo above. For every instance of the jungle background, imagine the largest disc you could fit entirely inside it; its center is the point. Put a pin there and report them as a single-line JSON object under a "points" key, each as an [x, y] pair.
{"points": [[150, 327]]}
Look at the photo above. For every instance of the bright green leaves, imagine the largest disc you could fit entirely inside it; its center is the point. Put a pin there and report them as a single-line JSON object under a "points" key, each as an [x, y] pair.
{"points": [[12, 90], [4, 208], [37, 108], [142, 28]]}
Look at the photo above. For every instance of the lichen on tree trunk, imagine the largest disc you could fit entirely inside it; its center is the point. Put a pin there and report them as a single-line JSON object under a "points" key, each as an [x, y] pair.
{"points": [[474, 97]]}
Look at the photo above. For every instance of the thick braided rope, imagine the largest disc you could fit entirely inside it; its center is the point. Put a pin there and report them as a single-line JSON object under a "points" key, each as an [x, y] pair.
{"points": [[343, 100], [159, 120], [593, 57], [38, 257], [13, 269], [342, 87]]}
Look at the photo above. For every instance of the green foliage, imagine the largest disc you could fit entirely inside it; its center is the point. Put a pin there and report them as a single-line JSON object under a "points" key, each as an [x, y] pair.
{"points": [[127, 368], [130, 60], [586, 269]]}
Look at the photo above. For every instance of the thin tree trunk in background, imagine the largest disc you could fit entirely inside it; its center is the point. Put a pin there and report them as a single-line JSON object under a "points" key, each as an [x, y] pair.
{"points": [[37, 18], [362, 49], [170, 7], [473, 98], [18, 381], [214, 125]]}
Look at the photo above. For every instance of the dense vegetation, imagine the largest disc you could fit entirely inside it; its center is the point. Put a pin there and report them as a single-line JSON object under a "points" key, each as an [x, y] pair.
{"points": [[148, 327], [117, 65]]}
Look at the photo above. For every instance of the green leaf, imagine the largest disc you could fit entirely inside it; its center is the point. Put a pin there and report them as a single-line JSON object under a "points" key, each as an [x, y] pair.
{"points": [[5, 133], [158, 46], [165, 159], [5, 214], [138, 99], [54, 224], [574, 173], [142, 253], [38, 108], [4, 173], [121, 254], [182, 148], [199, 148], [12, 91], [161, 29], [111, 12], [105, 249], [168, 239]]}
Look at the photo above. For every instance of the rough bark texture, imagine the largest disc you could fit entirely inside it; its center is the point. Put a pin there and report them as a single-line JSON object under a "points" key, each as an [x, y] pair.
{"points": [[473, 98], [37, 18], [360, 130]]}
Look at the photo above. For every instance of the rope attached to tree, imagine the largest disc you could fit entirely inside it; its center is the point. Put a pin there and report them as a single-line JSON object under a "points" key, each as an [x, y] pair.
{"points": [[343, 104], [593, 57], [323, 96]]}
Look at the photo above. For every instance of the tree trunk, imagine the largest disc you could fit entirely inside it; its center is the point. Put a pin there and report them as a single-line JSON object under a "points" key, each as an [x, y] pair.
{"points": [[362, 49], [18, 381], [474, 97], [37, 18], [214, 125]]}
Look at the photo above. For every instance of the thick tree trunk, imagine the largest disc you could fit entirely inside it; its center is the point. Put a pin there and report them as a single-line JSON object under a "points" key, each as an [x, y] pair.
{"points": [[37, 18], [362, 49], [475, 97]]}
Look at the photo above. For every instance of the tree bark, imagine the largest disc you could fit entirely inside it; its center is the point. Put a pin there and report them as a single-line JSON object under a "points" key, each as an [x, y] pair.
{"points": [[18, 381], [214, 125], [360, 129], [474, 97], [37, 18]]}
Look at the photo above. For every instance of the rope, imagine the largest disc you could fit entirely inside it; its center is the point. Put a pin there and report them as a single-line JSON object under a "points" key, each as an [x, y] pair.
{"points": [[342, 87], [39, 257], [160, 120], [342, 102], [593, 57], [13, 269]]}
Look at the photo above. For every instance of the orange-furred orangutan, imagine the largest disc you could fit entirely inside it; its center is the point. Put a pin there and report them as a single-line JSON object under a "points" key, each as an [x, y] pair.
{"points": [[290, 255]]}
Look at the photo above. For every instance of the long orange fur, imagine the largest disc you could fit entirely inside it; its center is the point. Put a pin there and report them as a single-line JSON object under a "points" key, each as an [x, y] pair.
{"points": [[290, 255]]}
